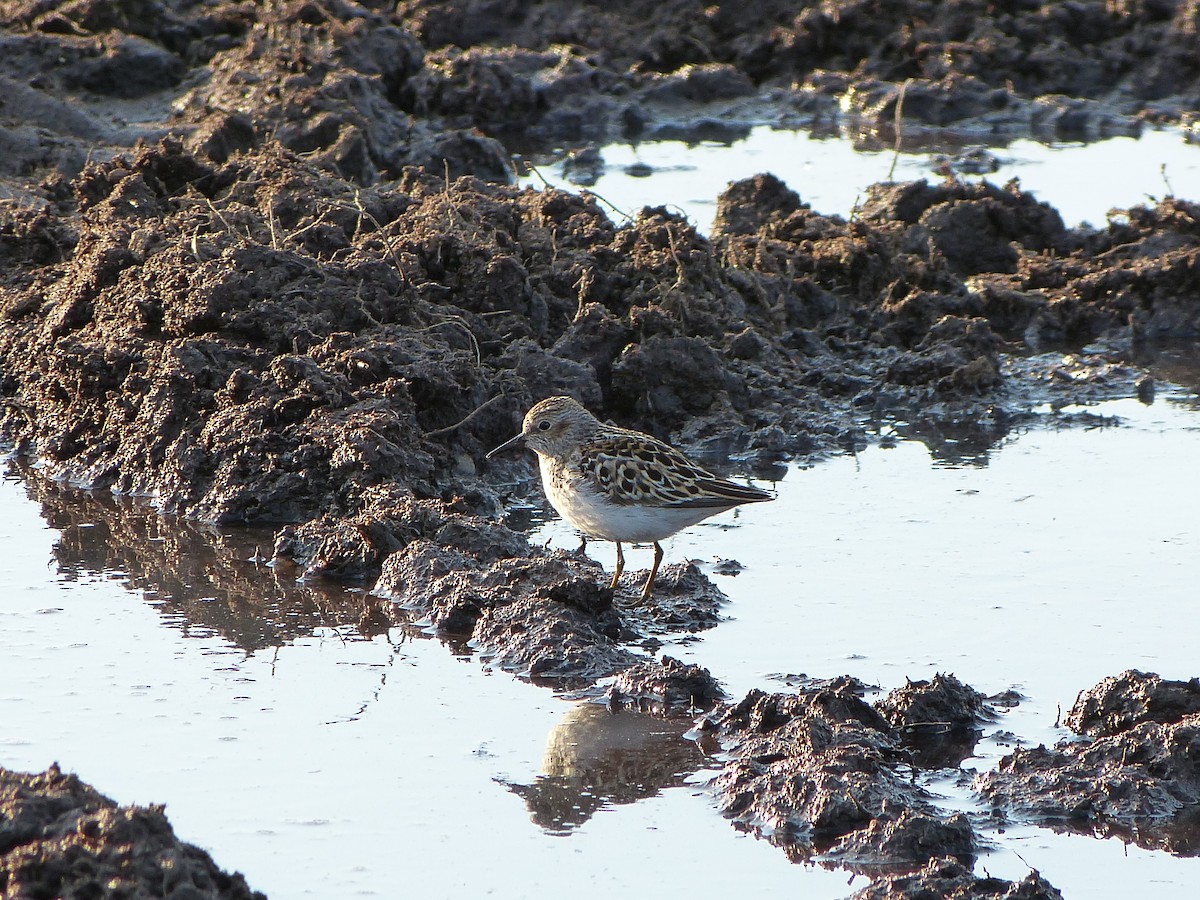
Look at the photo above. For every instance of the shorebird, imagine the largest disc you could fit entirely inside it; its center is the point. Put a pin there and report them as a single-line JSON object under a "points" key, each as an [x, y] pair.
{"points": [[616, 484]]}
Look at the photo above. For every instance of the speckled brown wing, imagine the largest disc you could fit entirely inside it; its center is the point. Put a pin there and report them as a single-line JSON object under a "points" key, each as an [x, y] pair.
{"points": [[636, 469]]}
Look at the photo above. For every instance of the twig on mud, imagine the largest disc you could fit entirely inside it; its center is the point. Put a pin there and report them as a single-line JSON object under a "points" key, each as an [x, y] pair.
{"points": [[271, 225], [620, 212], [1162, 169], [680, 274], [1023, 859], [313, 224], [224, 221], [899, 127], [585, 284], [459, 322], [362, 306], [456, 222], [471, 415], [583, 193], [538, 172], [384, 236]]}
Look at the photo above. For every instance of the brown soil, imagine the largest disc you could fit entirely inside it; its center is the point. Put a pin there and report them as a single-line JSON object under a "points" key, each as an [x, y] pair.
{"points": [[823, 772], [948, 879], [1136, 779], [263, 264], [62, 839]]}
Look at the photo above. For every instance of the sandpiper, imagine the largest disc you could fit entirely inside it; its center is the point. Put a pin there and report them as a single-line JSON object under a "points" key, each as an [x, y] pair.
{"points": [[619, 485]]}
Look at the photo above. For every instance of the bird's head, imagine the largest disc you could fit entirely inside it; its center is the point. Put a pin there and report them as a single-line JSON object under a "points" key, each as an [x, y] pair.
{"points": [[554, 428]]}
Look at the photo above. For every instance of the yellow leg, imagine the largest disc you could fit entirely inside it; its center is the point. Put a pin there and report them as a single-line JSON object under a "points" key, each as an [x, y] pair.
{"points": [[620, 568], [658, 555]]}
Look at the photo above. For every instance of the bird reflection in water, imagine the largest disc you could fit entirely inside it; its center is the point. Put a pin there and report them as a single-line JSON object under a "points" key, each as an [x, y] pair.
{"points": [[596, 757]]}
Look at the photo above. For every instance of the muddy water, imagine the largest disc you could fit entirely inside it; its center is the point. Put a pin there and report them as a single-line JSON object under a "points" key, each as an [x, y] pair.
{"points": [[1082, 181], [321, 763]]}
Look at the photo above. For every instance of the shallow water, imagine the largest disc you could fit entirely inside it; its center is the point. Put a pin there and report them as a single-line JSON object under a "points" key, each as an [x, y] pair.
{"points": [[1082, 181], [323, 764]]}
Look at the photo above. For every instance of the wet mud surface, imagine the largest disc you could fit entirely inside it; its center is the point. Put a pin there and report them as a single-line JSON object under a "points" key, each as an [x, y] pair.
{"points": [[1136, 778], [824, 774], [60, 838], [948, 878], [263, 265]]}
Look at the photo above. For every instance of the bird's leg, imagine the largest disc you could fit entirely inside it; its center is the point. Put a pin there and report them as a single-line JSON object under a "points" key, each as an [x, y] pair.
{"points": [[658, 555], [620, 567]]}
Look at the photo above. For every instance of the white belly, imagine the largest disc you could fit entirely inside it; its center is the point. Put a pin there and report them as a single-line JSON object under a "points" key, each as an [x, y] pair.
{"points": [[595, 516]]}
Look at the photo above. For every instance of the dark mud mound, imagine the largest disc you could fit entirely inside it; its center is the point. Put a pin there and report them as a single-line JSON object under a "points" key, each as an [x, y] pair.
{"points": [[1138, 780], [938, 719], [238, 355], [1141, 270], [821, 772], [948, 879], [1022, 66], [365, 89], [60, 838], [320, 79], [1118, 703], [666, 686]]}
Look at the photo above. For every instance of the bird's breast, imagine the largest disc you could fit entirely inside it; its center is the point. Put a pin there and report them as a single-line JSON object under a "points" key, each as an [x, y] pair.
{"points": [[578, 500]]}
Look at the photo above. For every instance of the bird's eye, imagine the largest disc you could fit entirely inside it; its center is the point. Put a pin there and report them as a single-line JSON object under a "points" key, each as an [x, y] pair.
{"points": [[544, 425]]}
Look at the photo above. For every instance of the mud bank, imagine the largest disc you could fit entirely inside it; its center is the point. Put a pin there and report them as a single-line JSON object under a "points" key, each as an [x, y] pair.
{"points": [[202, 337], [1136, 778], [368, 88], [63, 839], [825, 775]]}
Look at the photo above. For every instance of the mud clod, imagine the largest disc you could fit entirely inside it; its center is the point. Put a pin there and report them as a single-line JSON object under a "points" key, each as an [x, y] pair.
{"points": [[63, 839], [550, 642], [666, 686], [1137, 780], [1118, 703], [938, 719], [949, 879], [823, 772]]}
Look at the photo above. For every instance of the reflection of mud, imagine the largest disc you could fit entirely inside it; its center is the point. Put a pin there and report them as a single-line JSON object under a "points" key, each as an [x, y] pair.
{"points": [[60, 838], [597, 756], [200, 579]]}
